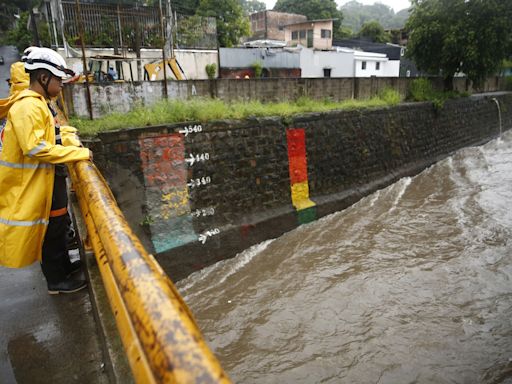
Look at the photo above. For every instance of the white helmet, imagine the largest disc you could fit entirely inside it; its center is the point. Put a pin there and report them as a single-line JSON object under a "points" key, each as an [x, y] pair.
{"points": [[26, 52], [46, 58]]}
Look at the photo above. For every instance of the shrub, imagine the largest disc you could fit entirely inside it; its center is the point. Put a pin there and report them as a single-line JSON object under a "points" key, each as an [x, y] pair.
{"points": [[390, 96], [211, 70], [508, 83], [258, 69], [420, 90]]}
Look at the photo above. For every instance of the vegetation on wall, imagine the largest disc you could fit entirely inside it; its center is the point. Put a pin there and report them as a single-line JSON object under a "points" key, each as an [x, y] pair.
{"points": [[203, 110]]}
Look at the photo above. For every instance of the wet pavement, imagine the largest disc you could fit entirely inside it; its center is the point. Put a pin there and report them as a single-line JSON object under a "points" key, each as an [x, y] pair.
{"points": [[10, 55], [43, 338]]}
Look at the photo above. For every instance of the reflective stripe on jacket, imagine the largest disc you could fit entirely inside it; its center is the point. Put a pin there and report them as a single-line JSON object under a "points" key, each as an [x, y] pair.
{"points": [[26, 178]]}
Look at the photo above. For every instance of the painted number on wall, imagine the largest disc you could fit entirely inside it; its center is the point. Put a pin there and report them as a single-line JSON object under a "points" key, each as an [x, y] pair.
{"points": [[210, 211], [201, 157], [205, 235], [199, 181], [191, 129]]}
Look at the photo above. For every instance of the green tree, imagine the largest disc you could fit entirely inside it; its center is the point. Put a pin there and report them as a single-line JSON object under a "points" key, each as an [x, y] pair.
{"points": [[374, 31], [232, 24], [20, 36], [313, 10], [344, 33], [451, 36], [252, 6]]}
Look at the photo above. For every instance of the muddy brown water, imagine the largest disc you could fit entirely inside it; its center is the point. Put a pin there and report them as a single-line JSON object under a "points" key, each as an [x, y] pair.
{"points": [[410, 285]]}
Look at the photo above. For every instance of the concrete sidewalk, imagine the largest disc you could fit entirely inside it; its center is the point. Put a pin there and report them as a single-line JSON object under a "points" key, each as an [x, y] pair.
{"points": [[43, 338]]}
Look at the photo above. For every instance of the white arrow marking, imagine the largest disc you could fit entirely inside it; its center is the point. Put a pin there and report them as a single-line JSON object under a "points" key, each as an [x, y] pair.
{"points": [[191, 160]]}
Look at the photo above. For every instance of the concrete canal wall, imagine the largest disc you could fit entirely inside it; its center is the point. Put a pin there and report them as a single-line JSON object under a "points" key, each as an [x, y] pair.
{"points": [[198, 193]]}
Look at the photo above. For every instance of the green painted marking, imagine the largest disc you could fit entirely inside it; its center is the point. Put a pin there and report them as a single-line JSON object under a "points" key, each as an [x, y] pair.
{"points": [[307, 215]]}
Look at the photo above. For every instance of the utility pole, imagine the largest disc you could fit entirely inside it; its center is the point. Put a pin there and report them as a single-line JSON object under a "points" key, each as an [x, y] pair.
{"points": [[164, 56], [33, 26], [84, 61], [169, 29]]}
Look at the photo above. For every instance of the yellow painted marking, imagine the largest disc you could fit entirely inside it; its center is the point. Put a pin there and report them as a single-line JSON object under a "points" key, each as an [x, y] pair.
{"points": [[300, 196]]}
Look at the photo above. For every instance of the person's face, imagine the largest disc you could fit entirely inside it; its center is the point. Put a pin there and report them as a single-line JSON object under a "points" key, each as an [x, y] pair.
{"points": [[55, 86]]}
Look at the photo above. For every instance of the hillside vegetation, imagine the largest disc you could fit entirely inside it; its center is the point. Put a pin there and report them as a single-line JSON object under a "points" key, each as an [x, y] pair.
{"points": [[356, 14]]}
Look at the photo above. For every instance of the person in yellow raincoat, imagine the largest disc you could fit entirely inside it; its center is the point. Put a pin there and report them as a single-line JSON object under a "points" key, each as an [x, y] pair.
{"points": [[33, 201]]}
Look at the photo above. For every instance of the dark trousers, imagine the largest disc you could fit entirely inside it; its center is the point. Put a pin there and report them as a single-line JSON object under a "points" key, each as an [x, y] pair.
{"points": [[55, 262]]}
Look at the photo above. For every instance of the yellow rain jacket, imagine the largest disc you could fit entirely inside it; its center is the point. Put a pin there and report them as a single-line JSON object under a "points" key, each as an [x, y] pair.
{"points": [[26, 177]]}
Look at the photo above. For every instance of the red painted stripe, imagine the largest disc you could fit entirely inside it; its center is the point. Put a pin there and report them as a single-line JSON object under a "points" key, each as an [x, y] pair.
{"points": [[296, 139]]}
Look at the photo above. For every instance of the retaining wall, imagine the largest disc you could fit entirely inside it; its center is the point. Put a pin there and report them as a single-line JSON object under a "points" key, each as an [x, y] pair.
{"points": [[198, 193], [122, 97]]}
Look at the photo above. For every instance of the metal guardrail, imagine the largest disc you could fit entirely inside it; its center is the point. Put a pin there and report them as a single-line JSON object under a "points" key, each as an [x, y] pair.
{"points": [[158, 331]]}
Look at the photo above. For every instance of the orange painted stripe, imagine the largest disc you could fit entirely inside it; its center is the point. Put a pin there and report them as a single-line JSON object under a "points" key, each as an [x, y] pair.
{"points": [[298, 169], [59, 212]]}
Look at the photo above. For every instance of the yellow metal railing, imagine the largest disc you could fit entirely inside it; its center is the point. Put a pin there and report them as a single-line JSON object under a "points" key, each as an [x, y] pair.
{"points": [[158, 331]]}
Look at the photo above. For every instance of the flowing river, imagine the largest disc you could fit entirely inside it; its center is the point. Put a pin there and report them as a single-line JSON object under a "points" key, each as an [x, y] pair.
{"points": [[410, 285]]}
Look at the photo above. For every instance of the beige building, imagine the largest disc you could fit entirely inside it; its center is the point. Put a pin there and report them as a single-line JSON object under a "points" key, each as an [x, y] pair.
{"points": [[270, 25], [315, 34]]}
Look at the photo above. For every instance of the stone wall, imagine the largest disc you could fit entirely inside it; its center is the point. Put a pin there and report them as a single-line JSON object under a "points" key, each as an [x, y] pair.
{"points": [[122, 97], [198, 193]]}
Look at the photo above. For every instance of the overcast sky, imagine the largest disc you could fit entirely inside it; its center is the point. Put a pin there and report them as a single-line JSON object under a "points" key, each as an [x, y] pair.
{"points": [[397, 5]]}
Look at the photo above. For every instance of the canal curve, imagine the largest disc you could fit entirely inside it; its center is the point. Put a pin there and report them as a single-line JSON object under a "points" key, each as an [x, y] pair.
{"points": [[412, 284]]}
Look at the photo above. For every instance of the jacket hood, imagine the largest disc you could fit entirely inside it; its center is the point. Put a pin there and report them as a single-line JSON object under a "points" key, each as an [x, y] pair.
{"points": [[19, 78]]}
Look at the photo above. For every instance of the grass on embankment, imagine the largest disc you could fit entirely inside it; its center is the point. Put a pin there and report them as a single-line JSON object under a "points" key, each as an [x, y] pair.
{"points": [[204, 110]]}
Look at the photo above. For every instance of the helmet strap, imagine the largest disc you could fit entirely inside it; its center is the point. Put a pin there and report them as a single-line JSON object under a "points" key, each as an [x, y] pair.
{"points": [[46, 84]]}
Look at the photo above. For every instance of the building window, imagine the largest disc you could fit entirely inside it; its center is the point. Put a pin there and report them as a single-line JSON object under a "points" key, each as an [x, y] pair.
{"points": [[302, 34], [310, 38], [325, 33], [377, 66], [295, 35], [363, 65], [327, 72]]}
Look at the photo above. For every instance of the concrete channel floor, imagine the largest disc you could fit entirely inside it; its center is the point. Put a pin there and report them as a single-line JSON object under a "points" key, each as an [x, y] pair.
{"points": [[46, 338]]}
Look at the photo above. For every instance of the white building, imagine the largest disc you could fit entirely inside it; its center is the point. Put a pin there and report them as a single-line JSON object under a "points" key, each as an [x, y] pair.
{"points": [[339, 62], [345, 62]]}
